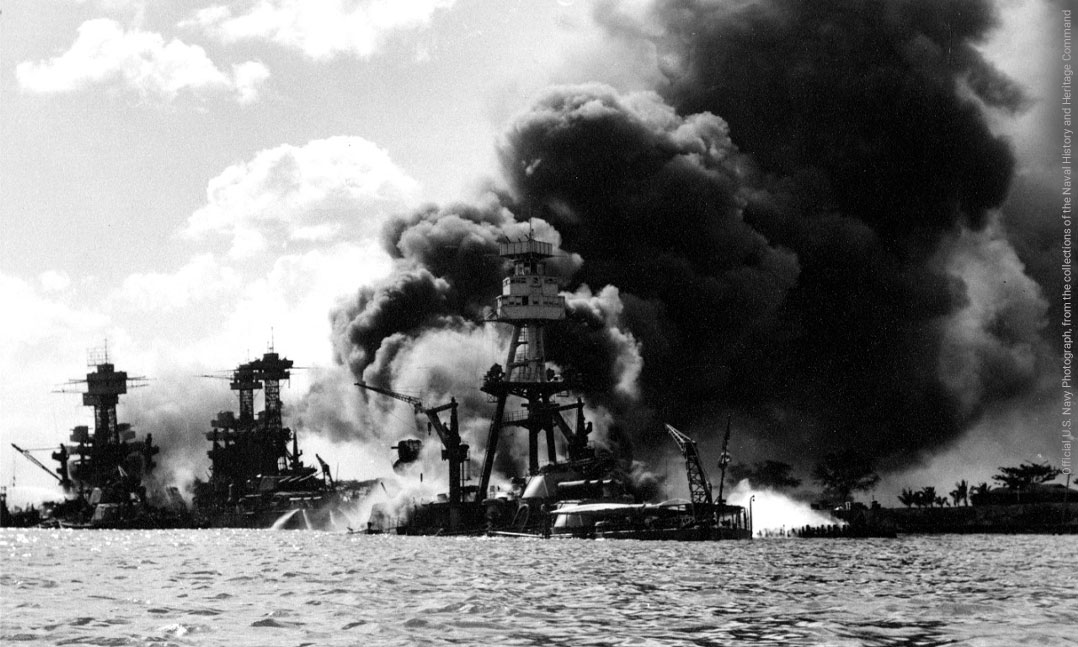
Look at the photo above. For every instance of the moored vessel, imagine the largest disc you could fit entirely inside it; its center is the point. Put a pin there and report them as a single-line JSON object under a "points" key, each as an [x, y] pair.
{"points": [[257, 478], [108, 473], [579, 490]]}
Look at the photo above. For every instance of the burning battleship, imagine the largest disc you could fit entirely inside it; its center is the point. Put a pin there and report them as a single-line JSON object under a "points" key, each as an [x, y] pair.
{"points": [[108, 474], [257, 478], [585, 491]]}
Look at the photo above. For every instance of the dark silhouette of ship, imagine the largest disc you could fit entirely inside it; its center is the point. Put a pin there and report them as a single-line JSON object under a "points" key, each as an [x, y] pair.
{"points": [[257, 478], [107, 473]]}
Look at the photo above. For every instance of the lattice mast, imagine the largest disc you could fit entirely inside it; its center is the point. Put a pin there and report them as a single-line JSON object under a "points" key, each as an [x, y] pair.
{"points": [[247, 446], [529, 303], [273, 368], [245, 383]]}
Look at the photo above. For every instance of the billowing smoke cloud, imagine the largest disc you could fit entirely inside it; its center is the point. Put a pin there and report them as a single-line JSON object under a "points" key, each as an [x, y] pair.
{"points": [[652, 202], [177, 413], [790, 229], [422, 331], [796, 268]]}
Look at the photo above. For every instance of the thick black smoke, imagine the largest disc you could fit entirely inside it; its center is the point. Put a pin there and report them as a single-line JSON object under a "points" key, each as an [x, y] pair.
{"points": [[447, 271], [864, 125], [871, 102], [423, 329], [806, 284], [784, 222]]}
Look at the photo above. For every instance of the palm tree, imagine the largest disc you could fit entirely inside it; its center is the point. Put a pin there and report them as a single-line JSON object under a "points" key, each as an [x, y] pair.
{"points": [[962, 488], [907, 497], [941, 501], [928, 495]]}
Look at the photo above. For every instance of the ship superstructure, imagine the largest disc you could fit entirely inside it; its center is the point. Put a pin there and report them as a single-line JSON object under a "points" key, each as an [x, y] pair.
{"points": [[571, 487], [110, 452], [108, 468], [257, 477], [524, 392], [246, 446], [529, 303]]}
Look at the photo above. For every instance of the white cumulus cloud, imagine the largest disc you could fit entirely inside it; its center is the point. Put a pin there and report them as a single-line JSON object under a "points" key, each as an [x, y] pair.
{"points": [[296, 294], [248, 79], [105, 53], [321, 29], [201, 279], [35, 318], [54, 280], [340, 188]]}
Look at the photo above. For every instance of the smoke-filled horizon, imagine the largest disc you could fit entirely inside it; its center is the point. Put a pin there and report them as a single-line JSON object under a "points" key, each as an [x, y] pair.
{"points": [[799, 227], [832, 222]]}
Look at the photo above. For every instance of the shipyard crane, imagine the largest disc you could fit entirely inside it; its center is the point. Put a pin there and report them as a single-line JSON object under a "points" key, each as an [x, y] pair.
{"points": [[326, 473], [30, 457], [724, 460], [699, 488], [453, 450]]}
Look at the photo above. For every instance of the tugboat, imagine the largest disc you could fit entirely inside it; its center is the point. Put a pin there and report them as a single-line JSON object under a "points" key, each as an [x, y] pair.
{"points": [[257, 479]]}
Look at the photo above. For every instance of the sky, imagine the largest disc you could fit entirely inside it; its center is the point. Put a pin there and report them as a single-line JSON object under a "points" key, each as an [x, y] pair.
{"points": [[191, 182]]}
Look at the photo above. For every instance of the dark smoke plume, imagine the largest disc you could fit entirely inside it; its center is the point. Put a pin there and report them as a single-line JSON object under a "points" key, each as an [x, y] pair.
{"points": [[863, 122], [785, 231], [422, 331]]}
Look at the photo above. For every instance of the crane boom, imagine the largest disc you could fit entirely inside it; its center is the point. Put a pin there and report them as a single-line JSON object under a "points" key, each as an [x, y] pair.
{"points": [[453, 450], [415, 402], [30, 457], [699, 487], [431, 412], [724, 460]]}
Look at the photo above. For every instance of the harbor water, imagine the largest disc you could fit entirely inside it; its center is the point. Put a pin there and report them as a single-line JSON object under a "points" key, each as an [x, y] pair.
{"points": [[247, 587]]}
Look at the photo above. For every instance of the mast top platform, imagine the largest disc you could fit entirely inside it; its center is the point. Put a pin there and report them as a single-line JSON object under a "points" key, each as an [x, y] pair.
{"points": [[529, 247]]}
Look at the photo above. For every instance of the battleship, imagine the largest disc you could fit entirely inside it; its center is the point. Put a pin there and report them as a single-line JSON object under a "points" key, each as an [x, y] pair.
{"points": [[584, 492], [107, 474], [257, 478]]}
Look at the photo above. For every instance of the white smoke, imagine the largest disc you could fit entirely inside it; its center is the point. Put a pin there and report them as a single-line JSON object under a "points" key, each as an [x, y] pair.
{"points": [[774, 511]]}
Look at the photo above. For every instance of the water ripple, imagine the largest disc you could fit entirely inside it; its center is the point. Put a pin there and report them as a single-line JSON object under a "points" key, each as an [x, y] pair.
{"points": [[240, 587]]}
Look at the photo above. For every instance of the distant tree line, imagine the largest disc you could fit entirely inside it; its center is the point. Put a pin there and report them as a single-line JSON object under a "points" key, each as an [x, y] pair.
{"points": [[1020, 478], [843, 473]]}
